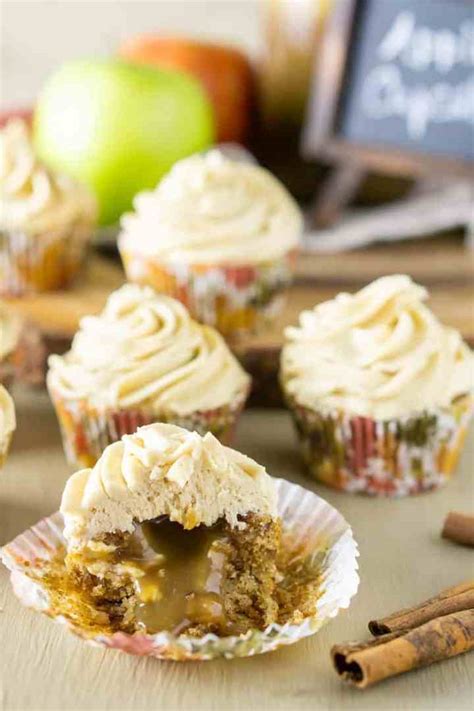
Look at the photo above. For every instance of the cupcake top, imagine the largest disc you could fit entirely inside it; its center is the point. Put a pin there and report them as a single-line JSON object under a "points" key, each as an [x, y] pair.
{"points": [[212, 210], [164, 470], [7, 416], [144, 349], [10, 327], [33, 198], [378, 353]]}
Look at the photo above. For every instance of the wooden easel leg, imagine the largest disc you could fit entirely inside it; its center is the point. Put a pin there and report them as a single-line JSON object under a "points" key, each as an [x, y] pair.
{"points": [[336, 193]]}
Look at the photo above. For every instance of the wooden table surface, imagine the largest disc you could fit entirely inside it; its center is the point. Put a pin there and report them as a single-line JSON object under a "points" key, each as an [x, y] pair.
{"points": [[403, 560]]}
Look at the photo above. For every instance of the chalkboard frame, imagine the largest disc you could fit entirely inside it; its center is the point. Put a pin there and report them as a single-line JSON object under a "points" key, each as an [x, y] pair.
{"points": [[320, 136]]}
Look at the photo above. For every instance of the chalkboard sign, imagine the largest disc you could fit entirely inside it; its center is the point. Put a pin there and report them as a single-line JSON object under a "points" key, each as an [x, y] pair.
{"points": [[394, 85]]}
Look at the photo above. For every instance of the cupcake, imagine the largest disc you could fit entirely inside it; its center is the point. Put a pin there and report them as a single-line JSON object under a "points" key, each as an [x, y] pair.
{"points": [[46, 219], [7, 423], [220, 236], [142, 360], [381, 392], [10, 332], [173, 537]]}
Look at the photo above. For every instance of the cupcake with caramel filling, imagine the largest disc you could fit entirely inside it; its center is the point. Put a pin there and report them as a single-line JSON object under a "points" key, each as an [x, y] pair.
{"points": [[381, 392], [220, 236], [46, 219], [172, 535], [7, 423], [143, 360], [173, 532]]}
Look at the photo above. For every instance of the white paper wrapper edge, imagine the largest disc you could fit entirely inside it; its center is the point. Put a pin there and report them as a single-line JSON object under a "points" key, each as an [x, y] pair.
{"points": [[319, 527]]}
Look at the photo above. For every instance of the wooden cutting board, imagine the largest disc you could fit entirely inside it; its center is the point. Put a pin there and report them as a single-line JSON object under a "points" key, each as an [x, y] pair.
{"points": [[445, 266]]}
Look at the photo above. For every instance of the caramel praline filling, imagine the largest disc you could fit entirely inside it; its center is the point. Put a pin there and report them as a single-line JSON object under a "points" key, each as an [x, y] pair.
{"points": [[163, 577], [181, 579]]}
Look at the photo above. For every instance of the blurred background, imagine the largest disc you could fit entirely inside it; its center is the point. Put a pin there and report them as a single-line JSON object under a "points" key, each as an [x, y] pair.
{"points": [[37, 35], [295, 50]]}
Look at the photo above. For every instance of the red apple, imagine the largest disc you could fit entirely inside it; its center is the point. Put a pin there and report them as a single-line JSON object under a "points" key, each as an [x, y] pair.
{"points": [[24, 114], [224, 72]]}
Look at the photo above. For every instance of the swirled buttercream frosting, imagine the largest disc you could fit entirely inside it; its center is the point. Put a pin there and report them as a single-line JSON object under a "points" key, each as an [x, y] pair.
{"points": [[212, 210], [7, 418], [379, 353], [164, 470], [10, 327], [144, 349], [33, 198]]}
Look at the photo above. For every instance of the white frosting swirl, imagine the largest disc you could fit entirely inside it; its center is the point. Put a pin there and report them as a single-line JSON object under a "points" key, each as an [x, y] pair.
{"points": [[33, 198], [379, 353], [164, 470], [144, 349], [212, 210], [10, 327], [7, 419]]}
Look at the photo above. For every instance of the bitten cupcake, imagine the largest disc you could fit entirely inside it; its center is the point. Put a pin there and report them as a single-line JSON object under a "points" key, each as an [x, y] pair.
{"points": [[205, 561], [381, 392], [142, 360], [7, 423], [46, 219], [220, 236]]}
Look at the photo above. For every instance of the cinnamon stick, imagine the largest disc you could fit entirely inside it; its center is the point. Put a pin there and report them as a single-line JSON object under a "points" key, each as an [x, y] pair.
{"points": [[454, 599], [368, 663], [459, 527]]}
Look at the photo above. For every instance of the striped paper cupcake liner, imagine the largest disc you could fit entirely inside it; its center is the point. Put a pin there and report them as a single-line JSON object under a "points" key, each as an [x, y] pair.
{"points": [[236, 300], [43, 262], [86, 431], [312, 529], [394, 457]]}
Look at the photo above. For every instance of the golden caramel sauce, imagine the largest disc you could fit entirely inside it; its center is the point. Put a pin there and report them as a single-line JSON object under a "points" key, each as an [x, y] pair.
{"points": [[180, 584], [177, 576]]}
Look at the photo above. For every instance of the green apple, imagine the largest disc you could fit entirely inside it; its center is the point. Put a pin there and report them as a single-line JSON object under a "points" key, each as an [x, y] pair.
{"points": [[119, 127]]}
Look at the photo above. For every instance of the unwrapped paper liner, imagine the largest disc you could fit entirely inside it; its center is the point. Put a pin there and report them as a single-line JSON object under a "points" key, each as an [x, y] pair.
{"points": [[86, 432], [395, 457], [236, 299], [313, 527]]}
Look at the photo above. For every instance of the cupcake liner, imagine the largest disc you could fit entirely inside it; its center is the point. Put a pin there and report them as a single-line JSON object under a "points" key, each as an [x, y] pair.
{"points": [[383, 458], [40, 262], [237, 300], [311, 528], [27, 362], [86, 431]]}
